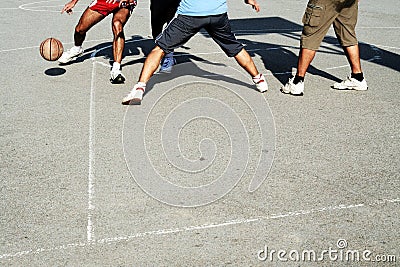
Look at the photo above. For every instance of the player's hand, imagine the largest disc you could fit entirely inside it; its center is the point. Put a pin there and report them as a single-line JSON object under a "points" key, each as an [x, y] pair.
{"points": [[253, 4], [68, 7]]}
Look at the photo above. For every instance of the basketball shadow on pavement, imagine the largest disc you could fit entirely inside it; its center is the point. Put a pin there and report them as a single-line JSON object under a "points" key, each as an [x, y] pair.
{"points": [[55, 71]]}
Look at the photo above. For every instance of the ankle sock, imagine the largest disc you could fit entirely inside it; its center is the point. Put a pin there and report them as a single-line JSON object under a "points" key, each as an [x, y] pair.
{"points": [[358, 76], [257, 78], [298, 79], [116, 66], [141, 85], [76, 47]]}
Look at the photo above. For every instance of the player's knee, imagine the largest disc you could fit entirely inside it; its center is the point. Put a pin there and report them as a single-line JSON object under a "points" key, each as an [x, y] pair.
{"points": [[158, 49], [117, 27], [80, 30]]}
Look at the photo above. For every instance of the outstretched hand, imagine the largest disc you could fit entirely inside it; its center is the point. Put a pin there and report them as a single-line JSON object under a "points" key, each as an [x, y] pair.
{"points": [[69, 6], [253, 4]]}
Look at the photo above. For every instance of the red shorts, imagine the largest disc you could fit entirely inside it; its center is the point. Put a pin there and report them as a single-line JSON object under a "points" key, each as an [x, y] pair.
{"points": [[106, 8]]}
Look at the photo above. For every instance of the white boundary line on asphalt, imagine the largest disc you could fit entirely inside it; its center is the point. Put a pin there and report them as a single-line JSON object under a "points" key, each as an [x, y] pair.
{"points": [[91, 166], [237, 222]]}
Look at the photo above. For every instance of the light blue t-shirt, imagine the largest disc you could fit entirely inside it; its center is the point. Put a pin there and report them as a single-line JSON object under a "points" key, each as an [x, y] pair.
{"points": [[202, 7]]}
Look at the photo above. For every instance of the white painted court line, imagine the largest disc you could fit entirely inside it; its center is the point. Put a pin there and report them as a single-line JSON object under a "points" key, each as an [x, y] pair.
{"points": [[245, 221], [389, 47], [379, 27], [203, 227], [91, 167], [23, 6]]}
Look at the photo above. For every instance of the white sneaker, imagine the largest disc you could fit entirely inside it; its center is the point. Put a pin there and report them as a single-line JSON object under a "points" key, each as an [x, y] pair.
{"points": [[261, 83], [116, 76], [135, 96], [351, 84], [293, 89], [71, 54], [167, 63]]}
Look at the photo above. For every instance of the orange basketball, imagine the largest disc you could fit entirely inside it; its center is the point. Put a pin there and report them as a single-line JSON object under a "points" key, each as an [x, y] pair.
{"points": [[51, 49]]}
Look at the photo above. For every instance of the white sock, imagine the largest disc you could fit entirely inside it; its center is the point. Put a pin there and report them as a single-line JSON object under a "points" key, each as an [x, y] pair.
{"points": [[142, 84], [116, 66], [257, 77], [76, 47]]}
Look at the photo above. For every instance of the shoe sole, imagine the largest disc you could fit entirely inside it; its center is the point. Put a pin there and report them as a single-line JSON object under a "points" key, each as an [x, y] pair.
{"points": [[136, 101], [350, 88], [66, 62], [71, 59], [290, 93], [165, 71], [133, 101], [262, 91], [118, 80]]}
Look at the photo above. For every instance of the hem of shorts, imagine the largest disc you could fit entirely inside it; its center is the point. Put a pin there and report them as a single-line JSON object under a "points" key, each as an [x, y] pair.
{"points": [[314, 48], [236, 53], [349, 44]]}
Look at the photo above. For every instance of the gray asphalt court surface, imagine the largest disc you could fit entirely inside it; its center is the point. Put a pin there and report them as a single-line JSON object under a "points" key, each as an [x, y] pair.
{"points": [[206, 171]]}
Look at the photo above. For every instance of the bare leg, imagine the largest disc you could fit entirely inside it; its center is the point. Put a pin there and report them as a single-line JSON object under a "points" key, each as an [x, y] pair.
{"points": [[148, 69], [118, 23], [295, 86], [88, 19], [151, 64], [246, 62], [353, 56], [306, 56]]}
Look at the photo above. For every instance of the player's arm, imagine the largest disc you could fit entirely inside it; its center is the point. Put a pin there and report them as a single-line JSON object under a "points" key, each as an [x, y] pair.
{"points": [[69, 6], [253, 4]]}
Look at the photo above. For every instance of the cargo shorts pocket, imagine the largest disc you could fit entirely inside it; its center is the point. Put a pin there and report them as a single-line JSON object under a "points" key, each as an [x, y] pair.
{"points": [[313, 15]]}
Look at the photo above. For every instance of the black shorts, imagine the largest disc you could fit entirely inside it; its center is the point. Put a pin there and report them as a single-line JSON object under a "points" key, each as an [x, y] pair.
{"points": [[182, 28], [162, 12]]}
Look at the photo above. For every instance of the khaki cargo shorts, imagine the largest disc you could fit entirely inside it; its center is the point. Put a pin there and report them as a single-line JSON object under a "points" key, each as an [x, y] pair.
{"points": [[321, 14]]}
